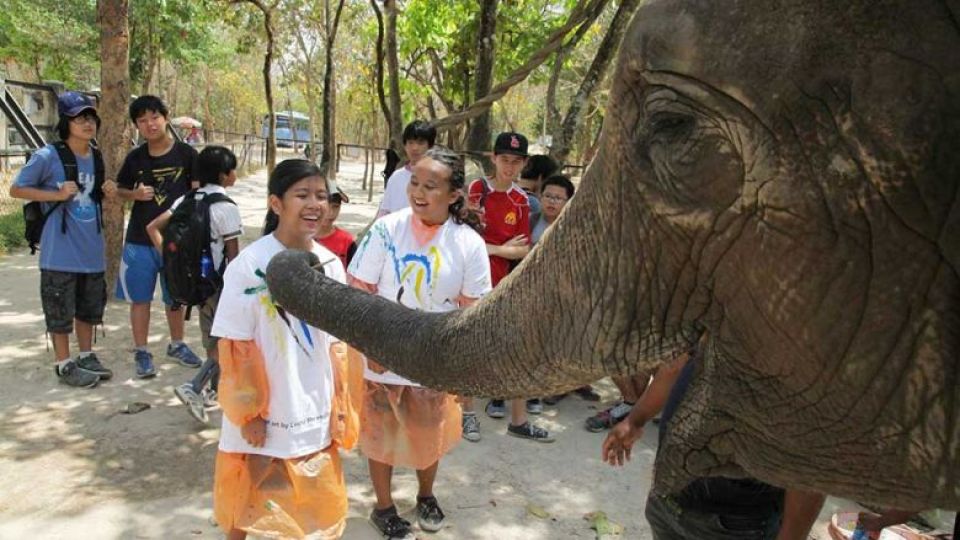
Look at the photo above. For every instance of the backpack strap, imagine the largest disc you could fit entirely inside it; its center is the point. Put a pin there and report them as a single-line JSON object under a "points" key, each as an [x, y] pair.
{"points": [[70, 173], [100, 176], [208, 200]]}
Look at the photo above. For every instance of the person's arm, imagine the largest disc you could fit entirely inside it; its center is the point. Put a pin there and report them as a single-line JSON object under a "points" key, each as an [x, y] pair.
{"points": [[360, 284], [35, 174], [155, 227], [67, 190], [618, 445], [127, 187], [231, 248], [244, 390], [513, 249], [800, 511]]}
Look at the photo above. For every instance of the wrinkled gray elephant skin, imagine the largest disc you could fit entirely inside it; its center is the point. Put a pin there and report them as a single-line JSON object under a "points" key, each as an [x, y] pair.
{"points": [[782, 175]]}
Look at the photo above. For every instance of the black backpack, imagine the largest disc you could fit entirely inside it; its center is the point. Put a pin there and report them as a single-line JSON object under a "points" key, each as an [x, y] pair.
{"points": [[187, 260], [34, 218]]}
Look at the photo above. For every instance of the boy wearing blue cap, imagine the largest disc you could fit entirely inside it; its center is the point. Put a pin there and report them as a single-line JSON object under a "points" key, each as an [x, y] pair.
{"points": [[67, 178]]}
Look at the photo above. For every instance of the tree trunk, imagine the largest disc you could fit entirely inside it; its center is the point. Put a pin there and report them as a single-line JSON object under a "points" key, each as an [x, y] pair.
{"points": [[579, 14], [151, 61], [563, 139], [113, 136], [393, 71], [378, 72], [478, 138], [267, 12], [552, 113], [208, 119], [328, 158]]}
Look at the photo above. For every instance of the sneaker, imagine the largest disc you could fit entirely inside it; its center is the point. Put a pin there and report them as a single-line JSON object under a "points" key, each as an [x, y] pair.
{"points": [[209, 396], [73, 375], [184, 355], [530, 431], [608, 418], [496, 408], [193, 401], [471, 427], [429, 515], [587, 393], [92, 364], [390, 525], [144, 362], [534, 406]]}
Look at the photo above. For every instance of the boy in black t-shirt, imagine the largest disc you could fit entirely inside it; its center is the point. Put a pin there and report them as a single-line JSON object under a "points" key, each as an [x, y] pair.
{"points": [[153, 175]]}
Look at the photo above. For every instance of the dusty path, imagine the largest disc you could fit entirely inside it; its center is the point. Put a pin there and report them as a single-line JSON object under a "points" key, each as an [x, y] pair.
{"points": [[72, 466]]}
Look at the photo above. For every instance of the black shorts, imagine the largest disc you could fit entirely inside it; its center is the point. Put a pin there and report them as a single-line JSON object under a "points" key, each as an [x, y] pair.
{"points": [[71, 295]]}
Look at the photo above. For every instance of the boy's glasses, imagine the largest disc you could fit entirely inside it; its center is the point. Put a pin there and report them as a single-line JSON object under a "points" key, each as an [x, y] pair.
{"points": [[555, 198]]}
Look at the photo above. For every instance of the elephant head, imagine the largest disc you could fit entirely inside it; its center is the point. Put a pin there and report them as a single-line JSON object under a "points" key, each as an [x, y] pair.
{"points": [[781, 175]]}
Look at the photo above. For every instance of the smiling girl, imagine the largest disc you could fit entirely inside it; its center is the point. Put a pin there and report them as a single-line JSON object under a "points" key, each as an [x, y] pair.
{"points": [[426, 257], [278, 471]]}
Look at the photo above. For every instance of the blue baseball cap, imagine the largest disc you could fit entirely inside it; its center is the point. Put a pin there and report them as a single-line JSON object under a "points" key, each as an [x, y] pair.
{"points": [[73, 103]]}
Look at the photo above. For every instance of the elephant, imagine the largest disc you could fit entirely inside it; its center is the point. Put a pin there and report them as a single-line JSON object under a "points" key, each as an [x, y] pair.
{"points": [[778, 178]]}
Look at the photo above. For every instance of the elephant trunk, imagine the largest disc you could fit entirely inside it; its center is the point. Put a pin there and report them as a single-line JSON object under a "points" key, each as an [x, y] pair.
{"points": [[568, 315]]}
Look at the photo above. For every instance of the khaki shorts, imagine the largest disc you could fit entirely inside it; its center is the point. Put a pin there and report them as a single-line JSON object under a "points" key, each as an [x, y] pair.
{"points": [[207, 312]]}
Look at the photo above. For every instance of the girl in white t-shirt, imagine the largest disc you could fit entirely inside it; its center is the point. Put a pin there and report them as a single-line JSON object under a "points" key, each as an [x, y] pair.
{"points": [[425, 257], [278, 471]]}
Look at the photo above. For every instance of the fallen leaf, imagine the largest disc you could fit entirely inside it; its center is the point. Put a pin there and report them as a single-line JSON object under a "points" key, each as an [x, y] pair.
{"points": [[604, 527], [537, 511]]}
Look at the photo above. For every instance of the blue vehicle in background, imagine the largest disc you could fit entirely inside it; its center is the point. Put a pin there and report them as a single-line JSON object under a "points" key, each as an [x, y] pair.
{"points": [[293, 129]]}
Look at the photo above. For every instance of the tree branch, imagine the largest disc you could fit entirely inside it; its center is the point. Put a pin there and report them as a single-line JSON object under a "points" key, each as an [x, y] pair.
{"points": [[478, 107]]}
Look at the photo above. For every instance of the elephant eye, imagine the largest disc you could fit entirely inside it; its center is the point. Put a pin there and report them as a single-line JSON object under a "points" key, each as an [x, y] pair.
{"points": [[668, 127]]}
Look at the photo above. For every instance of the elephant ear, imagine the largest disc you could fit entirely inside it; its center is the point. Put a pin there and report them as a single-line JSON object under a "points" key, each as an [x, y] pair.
{"points": [[700, 438]]}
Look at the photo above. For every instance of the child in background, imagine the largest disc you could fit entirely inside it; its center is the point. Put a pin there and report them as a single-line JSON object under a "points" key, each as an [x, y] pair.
{"points": [[278, 471], [337, 240], [418, 137], [537, 169], [216, 170]]}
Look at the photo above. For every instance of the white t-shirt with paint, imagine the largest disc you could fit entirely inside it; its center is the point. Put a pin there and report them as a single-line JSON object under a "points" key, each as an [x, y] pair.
{"points": [[225, 222], [296, 355], [429, 277], [395, 196]]}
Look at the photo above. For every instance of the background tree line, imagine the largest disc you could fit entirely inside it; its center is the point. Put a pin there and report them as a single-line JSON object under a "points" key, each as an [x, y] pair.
{"points": [[370, 65]]}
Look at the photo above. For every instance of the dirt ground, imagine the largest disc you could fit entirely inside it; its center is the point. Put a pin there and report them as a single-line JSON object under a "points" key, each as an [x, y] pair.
{"points": [[73, 465]]}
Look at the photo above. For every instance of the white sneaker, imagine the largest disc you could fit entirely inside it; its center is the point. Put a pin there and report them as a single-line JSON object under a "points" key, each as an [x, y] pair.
{"points": [[471, 427], [193, 401]]}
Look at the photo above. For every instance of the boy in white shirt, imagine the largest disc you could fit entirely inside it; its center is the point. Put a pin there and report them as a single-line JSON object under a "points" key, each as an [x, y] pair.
{"points": [[418, 137], [216, 170]]}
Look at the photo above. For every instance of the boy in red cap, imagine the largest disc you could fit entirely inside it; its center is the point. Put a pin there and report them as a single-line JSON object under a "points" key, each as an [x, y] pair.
{"points": [[506, 217]]}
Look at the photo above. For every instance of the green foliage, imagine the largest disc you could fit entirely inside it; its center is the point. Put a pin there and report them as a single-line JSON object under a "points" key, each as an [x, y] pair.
{"points": [[181, 31], [54, 39], [11, 230]]}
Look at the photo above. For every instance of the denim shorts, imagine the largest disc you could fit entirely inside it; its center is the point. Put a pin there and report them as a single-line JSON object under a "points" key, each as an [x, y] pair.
{"points": [[66, 296]]}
